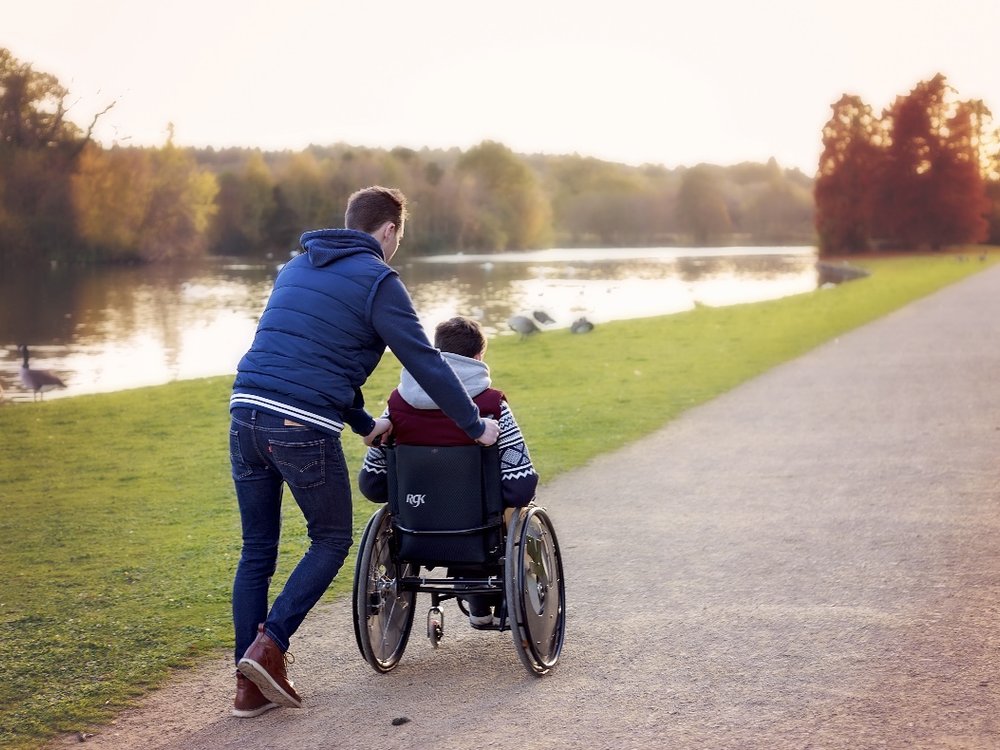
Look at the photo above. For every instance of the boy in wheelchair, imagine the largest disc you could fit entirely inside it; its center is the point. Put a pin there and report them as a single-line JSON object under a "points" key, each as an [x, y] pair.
{"points": [[416, 420]]}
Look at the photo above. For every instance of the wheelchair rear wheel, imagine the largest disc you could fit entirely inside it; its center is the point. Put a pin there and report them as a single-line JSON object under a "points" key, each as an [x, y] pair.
{"points": [[536, 590], [383, 613]]}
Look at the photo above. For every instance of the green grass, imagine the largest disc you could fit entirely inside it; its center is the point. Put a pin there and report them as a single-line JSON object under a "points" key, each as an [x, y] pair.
{"points": [[120, 533]]}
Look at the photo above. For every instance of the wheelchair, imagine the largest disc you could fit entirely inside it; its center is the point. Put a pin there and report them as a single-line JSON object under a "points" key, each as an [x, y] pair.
{"points": [[445, 514]]}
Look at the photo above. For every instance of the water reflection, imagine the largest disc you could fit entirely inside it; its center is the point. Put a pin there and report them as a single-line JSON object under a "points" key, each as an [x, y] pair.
{"points": [[110, 329], [603, 284]]}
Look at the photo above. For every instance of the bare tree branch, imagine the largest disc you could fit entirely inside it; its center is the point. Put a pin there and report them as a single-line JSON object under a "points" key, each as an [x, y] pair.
{"points": [[90, 130], [93, 122]]}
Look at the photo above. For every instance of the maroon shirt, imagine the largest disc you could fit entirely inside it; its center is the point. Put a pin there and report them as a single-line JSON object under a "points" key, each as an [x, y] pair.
{"points": [[412, 426]]}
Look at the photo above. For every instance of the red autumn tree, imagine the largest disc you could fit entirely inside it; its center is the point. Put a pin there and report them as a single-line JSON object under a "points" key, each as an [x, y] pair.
{"points": [[915, 178], [959, 190], [846, 183], [931, 190]]}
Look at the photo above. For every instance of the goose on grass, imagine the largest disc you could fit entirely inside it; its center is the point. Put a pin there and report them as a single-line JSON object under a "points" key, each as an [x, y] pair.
{"points": [[37, 381]]}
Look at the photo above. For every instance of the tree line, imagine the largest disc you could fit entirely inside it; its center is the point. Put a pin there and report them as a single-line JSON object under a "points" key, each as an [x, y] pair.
{"points": [[924, 174], [488, 198]]}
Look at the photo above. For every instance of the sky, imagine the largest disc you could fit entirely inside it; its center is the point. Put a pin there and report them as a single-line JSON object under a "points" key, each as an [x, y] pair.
{"points": [[672, 83]]}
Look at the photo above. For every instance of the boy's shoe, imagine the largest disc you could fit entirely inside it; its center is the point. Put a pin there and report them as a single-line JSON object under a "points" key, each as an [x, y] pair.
{"points": [[264, 665], [481, 621], [249, 701]]}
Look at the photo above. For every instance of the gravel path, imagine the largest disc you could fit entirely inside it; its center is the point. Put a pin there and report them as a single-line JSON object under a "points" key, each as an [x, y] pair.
{"points": [[809, 561]]}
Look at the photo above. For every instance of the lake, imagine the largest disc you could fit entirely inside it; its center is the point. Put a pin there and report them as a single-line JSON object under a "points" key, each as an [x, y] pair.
{"points": [[107, 329]]}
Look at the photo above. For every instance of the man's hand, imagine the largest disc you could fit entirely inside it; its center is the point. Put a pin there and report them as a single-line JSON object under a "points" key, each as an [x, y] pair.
{"points": [[382, 427], [490, 434]]}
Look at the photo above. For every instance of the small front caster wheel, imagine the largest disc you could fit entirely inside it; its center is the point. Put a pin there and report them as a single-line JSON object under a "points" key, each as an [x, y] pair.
{"points": [[435, 626]]}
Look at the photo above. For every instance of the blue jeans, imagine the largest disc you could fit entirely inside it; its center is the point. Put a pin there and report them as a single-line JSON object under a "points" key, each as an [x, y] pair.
{"points": [[266, 453]]}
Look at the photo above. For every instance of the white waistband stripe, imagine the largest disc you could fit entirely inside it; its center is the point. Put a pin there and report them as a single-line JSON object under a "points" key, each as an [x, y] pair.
{"points": [[250, 401]]}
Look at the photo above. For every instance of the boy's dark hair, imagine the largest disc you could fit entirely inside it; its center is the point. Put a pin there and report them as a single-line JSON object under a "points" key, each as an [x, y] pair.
{"points": [[460, 335], [371, 207]]}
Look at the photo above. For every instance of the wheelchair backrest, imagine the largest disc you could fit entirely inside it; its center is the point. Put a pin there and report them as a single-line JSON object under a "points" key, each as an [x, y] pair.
{"points": [[446, 503]]}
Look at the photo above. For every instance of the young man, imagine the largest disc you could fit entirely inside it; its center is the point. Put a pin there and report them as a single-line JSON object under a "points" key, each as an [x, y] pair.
{"points": [[330, 316], [417, 420]]}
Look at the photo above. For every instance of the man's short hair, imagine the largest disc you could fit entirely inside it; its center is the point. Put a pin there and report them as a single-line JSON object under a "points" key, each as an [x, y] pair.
{"points": [[371, 207], [460, 335]]}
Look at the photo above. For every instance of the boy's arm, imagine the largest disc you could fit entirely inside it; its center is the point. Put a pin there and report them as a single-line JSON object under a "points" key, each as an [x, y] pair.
{"points": [[518, 478], [373, 479]]}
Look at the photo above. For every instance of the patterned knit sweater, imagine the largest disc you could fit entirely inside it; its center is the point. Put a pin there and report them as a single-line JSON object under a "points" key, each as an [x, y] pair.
{"points": [[417, 421]]}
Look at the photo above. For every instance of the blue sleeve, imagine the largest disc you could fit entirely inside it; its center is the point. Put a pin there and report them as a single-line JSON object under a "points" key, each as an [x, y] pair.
{"points": [[396, 322], [357, 417]]}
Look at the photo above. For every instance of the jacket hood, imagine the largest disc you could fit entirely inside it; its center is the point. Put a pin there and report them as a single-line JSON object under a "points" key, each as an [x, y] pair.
{"points": [[474, 374], [324, 246]]}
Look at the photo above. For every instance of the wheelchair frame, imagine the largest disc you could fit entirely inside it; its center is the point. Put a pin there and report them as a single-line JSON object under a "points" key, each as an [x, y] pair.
{"points": [[532, 587]]}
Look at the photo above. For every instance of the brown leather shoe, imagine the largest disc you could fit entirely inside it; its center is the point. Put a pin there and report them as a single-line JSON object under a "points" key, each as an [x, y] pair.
{"points": [[264, 665], [249, 701]]}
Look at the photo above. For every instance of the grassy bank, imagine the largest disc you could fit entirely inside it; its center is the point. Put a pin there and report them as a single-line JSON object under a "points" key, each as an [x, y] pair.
{"points": [[119, 524]]}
